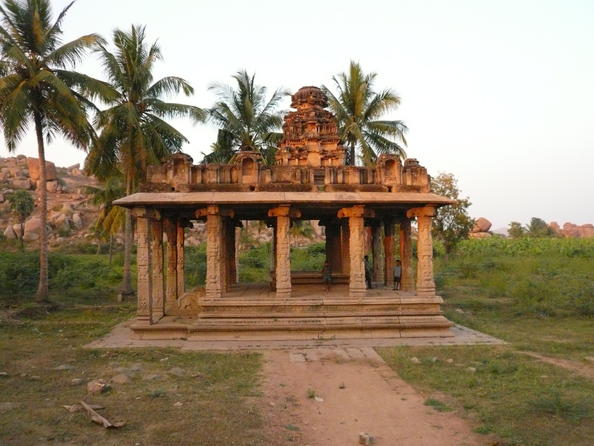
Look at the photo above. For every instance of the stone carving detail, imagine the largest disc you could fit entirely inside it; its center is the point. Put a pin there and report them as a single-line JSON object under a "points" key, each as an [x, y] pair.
{"points": [[283, 248], [144, 267], [170, 229], [425, 283], [355, 215], [310, 134], [179, 245], [389, 252], [378, 253], [158, 283], [213, 253], [283, 257], [407, 282]]}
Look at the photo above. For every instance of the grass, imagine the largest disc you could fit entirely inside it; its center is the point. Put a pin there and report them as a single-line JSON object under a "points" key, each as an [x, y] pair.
{"points": [[538, 302], [539, 296], [437, 405], [216, 390], [522, 400], [212, 401]]}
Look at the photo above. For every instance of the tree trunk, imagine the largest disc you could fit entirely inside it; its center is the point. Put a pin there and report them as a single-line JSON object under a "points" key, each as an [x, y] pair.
{"points": [[22, 236], [127, 280], [42, 289], [110, 248]]}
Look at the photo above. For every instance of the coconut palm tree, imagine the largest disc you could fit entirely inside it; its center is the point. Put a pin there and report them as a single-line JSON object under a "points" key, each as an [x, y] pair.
{"points": [[358, 110], [37, 88], [133, 130], [110, 219], [222, 150], [247, 117]]}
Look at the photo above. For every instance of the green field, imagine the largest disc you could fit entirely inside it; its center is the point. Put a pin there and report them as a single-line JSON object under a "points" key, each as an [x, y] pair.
{"points": [[538, 295]]}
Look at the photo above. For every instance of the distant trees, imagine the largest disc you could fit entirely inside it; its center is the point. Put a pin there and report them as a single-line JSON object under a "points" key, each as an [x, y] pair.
{"points": [[516, 230], [133, 130], [358, 109], [246, 118], [36, 88], [536, 228], [21, 204], [452, 224]]}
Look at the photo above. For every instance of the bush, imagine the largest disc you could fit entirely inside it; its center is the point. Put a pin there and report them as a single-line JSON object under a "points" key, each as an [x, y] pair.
{"points": [[539, 277], [19, 273], [195, 265]]}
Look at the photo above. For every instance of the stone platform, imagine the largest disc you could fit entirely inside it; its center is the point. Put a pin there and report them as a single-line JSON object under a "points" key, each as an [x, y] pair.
{"points": [[311, 313], [122, 336]]}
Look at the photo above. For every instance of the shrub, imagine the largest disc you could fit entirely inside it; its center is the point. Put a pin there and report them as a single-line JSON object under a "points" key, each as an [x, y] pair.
{"points": [[19, 273]]}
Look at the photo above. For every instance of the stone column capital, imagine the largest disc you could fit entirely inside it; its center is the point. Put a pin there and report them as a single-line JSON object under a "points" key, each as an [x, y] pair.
{"points": [[424, 211], [358, 210], [284, 210], [142, 212], [213, 210]]}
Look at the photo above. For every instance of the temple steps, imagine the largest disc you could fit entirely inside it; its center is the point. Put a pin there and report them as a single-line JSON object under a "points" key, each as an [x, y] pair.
{"points": [[327, 327]]}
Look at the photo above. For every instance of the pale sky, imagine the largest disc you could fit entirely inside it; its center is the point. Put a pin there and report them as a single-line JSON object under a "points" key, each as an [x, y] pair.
{"points": [[500, 93]]}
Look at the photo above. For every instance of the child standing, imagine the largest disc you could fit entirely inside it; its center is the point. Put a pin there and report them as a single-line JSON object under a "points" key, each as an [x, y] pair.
{"points": [[397, 274]]}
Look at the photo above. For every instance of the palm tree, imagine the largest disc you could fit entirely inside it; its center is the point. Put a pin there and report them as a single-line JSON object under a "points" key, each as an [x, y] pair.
{"points": [[358, 109], [133, 130], [110, 219], [37, 88], [248, 120], [222, 150]]}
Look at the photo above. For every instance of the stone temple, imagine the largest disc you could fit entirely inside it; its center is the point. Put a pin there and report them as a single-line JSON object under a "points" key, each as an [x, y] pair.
{"points": [[309, 181]]}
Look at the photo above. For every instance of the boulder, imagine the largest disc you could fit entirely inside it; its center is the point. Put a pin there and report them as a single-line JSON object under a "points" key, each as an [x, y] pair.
{"points": [[9, 233], [21, 183], [62, 223], [50, 170], [52, 186], [32, 229], [18, 230], [67, 209], [77, 220], [480, 235], [481, 225]]}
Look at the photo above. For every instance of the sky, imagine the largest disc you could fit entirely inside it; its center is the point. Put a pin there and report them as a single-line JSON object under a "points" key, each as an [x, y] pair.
{"points": [[499, 93]]}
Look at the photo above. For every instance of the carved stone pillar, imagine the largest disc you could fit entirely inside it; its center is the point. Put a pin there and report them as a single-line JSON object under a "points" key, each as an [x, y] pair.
{"points": [[283, 216], [181, 258], [425, 283], [224, 254], [407, 282], [170, 228], [214, 247], [143, 265], [231, 254], [356, 216], [158, 282], [333, 254], [377, 251], [389, 252], [344, 247]]}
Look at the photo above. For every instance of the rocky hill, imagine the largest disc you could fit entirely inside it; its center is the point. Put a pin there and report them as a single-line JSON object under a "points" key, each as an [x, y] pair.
{"points": [[572, 230], [70, 213]]}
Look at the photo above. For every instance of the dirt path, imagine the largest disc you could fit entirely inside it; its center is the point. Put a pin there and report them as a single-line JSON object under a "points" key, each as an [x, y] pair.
{"points": [[356, 392], [585, 370]]}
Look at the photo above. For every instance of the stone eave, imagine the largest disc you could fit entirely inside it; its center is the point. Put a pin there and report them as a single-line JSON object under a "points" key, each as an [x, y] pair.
{"points": [[174, 199]]}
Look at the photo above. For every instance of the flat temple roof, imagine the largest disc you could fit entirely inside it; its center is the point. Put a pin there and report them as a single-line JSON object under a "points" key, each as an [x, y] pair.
{"points": [[184, 199]]}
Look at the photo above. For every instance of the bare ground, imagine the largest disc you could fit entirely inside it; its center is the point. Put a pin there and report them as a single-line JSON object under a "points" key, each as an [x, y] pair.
{"points": [[329, 395]]}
